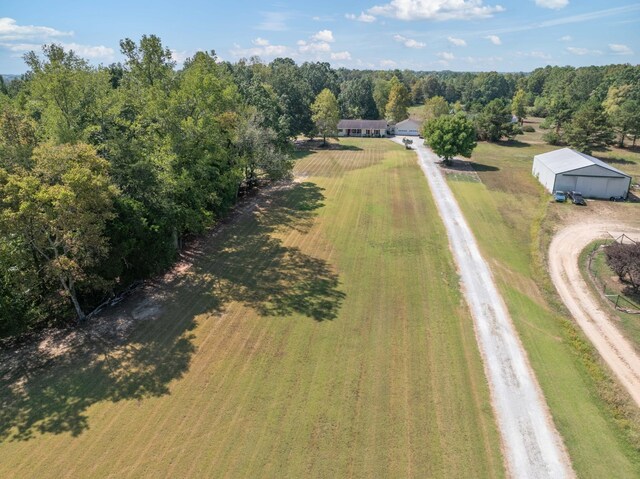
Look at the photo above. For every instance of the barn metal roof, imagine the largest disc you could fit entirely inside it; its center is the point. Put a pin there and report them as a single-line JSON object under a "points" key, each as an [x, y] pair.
{"points": [[566, 159], [362, 124]]}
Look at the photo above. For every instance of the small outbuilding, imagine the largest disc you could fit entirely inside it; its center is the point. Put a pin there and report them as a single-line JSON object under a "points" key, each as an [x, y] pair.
{"points": [[569, 170], [408, 127], [363, 128]]}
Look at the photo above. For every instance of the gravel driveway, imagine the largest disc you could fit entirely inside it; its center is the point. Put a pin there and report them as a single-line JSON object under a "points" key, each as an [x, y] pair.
{"points": [[596, 323], [532, 446]]}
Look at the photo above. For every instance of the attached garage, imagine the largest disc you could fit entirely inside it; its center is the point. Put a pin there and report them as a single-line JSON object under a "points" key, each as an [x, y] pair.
{"points": [[408, 127], [569, 170]]}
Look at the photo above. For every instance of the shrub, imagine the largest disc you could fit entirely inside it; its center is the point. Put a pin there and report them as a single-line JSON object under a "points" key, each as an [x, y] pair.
{"points": [[552, 138], [528, 129]]}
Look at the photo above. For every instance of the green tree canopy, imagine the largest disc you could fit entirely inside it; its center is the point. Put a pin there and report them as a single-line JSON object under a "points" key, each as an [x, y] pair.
{"points": [[435, 107], [519, 105], [494, 122], [396, 107], [60, 208], [326, 114], [449, 136], [589, 129], [356, 99]]}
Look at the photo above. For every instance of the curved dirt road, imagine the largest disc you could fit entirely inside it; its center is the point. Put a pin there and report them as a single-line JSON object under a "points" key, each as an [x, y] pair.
{"points": [[596, 323], [532, 446]]}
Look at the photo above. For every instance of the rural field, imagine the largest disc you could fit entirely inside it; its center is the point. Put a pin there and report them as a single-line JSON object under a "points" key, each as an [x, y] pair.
{"points": [[351, 355], [513, 220]]}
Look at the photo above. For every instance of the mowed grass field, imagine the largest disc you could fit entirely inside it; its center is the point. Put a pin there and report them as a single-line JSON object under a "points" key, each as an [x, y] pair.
{"points": [[512, 218], [321, 333]]}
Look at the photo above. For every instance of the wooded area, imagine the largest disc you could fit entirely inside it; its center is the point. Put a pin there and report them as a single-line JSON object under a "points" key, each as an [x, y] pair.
{"points": [[104, 171]]}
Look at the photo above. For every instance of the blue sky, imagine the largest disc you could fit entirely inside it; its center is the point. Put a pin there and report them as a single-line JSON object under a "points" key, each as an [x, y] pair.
{"points": [[462, 35]]}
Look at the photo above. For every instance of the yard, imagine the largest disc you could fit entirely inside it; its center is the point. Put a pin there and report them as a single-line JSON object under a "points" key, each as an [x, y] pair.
{"points": [[320, 333], [513, 219]]}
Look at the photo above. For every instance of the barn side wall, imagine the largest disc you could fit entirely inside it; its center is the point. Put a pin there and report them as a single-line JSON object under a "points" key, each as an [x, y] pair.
{"points": [[544, 175]]}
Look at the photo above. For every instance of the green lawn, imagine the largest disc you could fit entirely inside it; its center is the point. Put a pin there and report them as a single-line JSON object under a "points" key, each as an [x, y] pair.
{"points": [[512, 219], [320, 334]]}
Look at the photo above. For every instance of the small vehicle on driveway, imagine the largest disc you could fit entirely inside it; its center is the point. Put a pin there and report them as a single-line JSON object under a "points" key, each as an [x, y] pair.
{"points": [[560, 196], [576, 198]]}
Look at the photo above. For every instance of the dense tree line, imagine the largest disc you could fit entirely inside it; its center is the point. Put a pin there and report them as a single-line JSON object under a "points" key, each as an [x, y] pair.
{"points": [[104, 171]]}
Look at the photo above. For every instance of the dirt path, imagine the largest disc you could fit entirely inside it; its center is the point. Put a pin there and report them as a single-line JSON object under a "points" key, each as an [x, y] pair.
{"points": [[596, 323], [532, 446]]}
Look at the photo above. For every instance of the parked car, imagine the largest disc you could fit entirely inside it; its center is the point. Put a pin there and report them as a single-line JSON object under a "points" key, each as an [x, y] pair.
{"points": [[617, 198], [560, 196], [576, 197]]}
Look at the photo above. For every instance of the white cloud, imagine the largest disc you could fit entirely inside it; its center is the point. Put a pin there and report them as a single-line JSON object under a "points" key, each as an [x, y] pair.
{"points": [[179, 56], [20, 47], [323, 36], [458, 42], [552, 4], [409, 42], [540, 55], [566, 38], [387, 63], [92, 52], [341, 56], [583, 51], [10, 30], [435, 9], [262, 48], [483, 60], [363, 17], [313, 47], [620, 49], [95, 52], [447, 56], [495, 39]]}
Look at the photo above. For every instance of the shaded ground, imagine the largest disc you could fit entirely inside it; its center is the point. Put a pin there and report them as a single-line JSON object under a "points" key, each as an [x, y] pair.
{"points": [[47, 385]]}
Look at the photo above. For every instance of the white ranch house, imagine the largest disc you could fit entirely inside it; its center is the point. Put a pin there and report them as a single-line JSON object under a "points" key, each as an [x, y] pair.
{"points": [[568, 170], [363, 128]]}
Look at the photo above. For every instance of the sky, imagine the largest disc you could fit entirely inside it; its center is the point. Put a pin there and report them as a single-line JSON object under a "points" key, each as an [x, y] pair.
{"points": [[459, 35]]}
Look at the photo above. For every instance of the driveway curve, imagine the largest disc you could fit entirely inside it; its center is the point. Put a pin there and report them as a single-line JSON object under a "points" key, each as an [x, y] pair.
{"points": [[532, 446], [597, 323]]}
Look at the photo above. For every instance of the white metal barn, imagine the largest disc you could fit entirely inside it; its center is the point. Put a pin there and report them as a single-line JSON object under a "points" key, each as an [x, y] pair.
{"points": [[407, 127], [569, 170]]}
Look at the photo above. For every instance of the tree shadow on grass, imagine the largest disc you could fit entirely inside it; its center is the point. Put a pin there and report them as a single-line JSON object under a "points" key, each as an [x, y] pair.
{"points": [[136, 349], [514, 144], [460, 165]]}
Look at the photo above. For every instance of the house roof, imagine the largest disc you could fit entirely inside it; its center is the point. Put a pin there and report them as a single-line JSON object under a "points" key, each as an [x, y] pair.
{"points": [[362, 124], [566, 159], [408, 123]]}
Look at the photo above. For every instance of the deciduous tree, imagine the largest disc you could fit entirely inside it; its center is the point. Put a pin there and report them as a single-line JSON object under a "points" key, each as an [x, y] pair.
{"points": [[450, 136], [326, 114], [60, 208], [396, 107], [435, 107]]}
